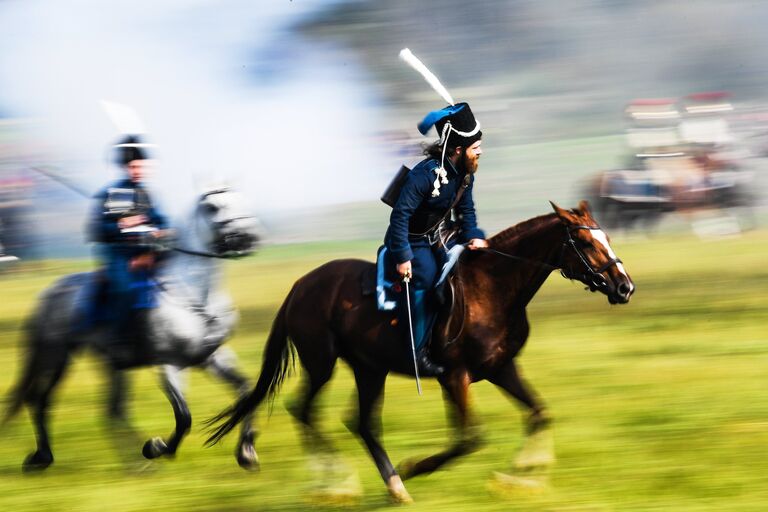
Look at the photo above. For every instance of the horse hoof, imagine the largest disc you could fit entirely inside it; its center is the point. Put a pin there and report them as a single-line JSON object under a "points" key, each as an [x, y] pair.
{"points": [[397, 492], [345, 494], [247, 458], [538, 451], [37, 461], [154, 448], [512, 486]]}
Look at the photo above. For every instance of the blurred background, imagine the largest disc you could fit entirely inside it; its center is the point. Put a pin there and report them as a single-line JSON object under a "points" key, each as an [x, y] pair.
{"points": [[306, 108], [657, 112]]}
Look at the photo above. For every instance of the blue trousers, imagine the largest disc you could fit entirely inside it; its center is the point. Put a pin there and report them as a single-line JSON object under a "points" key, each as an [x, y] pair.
{"points": [[126, 290], [426, 264]]}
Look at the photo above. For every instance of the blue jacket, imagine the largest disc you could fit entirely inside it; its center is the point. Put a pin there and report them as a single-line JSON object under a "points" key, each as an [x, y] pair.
{"points": [[121, 199], [417, 204]]}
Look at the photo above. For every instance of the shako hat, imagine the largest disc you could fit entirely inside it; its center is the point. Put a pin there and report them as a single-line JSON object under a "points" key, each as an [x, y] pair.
{"points": [[129, 148], [455, 123]]}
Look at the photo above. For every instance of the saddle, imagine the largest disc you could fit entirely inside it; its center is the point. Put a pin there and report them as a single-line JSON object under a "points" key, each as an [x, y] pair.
{"points": [[93, 303], [449, 292], [449, 324]]}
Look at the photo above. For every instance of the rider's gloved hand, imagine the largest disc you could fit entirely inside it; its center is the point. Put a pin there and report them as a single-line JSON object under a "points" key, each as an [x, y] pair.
{"points": [[404, 269], [477, 243], [131, 221], [142, 262]]}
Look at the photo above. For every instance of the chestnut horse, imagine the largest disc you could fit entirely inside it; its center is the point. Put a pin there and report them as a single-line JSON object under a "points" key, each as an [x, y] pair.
{"points": [[326, 316]]}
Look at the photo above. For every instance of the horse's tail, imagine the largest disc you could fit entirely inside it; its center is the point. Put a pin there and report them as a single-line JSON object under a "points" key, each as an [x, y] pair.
{"points": [[46, 346], [32, 365], [277, 364]]}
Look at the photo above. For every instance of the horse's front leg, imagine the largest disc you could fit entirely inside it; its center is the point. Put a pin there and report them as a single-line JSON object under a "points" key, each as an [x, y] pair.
{"points": [[467, 434], [222, 364], [172, 381], [538, 448]]}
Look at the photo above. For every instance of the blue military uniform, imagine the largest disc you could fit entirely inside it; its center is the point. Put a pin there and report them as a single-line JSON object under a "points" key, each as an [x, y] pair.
{"points": [[128, 291], [416, 211], [425, 199], [116, 247], [412, 236]]}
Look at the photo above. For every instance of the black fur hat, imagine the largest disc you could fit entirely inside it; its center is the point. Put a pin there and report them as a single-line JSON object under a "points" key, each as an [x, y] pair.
{"points": [[130, 148], [465, 129]]}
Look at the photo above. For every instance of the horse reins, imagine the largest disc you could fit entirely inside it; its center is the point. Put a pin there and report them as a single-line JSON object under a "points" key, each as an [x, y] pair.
{"points": [[593, 275], [206, 254]]}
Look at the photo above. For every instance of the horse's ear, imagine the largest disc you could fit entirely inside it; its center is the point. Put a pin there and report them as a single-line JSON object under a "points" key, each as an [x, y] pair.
{"points": [[584, 208], [564, 214]]}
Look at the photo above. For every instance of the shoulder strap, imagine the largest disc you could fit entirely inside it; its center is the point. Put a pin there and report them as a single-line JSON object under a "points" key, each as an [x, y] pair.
{"points": [[464, 186]]}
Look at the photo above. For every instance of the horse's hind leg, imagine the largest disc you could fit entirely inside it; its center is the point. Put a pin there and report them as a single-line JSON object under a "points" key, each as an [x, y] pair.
{"points": [[370, 383], [317, 375], [38, 398], [171, 378], [456, 395], [335, 481], [222, 364], [123, 435]]}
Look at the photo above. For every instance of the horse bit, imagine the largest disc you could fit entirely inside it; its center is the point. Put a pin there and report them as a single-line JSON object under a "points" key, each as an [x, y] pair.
{"points": [[593, 276]]}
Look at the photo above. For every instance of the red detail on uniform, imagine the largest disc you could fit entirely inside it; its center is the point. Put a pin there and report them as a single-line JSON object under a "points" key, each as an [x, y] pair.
{"points": [[397, 288]]}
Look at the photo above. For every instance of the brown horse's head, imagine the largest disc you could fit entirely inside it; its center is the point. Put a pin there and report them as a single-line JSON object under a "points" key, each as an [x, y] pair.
{"points": [[588, 257]]}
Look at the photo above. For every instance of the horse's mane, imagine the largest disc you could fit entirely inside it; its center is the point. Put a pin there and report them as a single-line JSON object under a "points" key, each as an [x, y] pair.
{"points": [[513, 234]]}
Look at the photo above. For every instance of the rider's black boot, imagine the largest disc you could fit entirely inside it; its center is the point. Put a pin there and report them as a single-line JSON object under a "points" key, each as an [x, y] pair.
{"points": [[132, 346], [428, 368]]}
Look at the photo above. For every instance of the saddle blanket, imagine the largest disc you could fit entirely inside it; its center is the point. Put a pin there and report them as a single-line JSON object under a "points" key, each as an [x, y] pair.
{"points": [[388, 291]]}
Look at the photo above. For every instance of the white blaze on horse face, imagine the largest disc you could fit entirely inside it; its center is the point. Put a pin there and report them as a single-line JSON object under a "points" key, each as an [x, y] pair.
{"points": [[600, 236]]}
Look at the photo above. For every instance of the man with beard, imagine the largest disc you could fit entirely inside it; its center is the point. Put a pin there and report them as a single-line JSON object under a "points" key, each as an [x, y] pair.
{"points": [[435, 187]]}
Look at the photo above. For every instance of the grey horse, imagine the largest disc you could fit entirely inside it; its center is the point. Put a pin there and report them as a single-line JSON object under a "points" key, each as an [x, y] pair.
{"points": [[193, 318]]}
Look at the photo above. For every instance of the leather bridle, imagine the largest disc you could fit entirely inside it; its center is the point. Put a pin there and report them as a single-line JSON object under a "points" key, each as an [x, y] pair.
{"points": [[593, 276]]}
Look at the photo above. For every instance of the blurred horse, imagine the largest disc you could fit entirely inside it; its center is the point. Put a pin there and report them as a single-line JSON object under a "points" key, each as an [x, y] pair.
{"points": [[327, 316], [686, 185], [193, 318]]}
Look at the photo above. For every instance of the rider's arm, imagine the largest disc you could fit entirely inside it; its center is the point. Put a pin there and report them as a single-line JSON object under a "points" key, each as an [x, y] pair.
{"points": [[416, 187], [157, 219], [102, 226], [465, 213]]}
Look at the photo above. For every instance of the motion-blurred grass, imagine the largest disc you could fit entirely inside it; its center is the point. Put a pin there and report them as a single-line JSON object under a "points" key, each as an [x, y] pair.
{"points": [[659, 404]]}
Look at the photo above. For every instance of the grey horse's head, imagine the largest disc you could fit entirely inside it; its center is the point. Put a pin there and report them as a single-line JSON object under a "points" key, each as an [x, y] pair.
{"points": [[224, 225]]}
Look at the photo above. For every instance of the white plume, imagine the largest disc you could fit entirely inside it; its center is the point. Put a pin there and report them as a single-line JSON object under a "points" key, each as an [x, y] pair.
{"points": [[125, 118], [431, 79]]}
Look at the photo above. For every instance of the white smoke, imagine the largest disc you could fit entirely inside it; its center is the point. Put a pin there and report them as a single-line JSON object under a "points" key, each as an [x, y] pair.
{"points": [[296, 132]]}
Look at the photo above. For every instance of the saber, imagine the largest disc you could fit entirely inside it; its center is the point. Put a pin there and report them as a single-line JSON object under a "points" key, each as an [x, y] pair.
{"points": [[407, 280], [58, 178]]}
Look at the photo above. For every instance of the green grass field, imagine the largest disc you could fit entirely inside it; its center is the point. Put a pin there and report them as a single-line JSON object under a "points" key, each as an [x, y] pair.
{"points": [[658, 405]]}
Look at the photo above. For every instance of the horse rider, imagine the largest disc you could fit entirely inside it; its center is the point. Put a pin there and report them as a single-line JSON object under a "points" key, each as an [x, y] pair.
{"points": [[126, 227], [437, 185]]}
